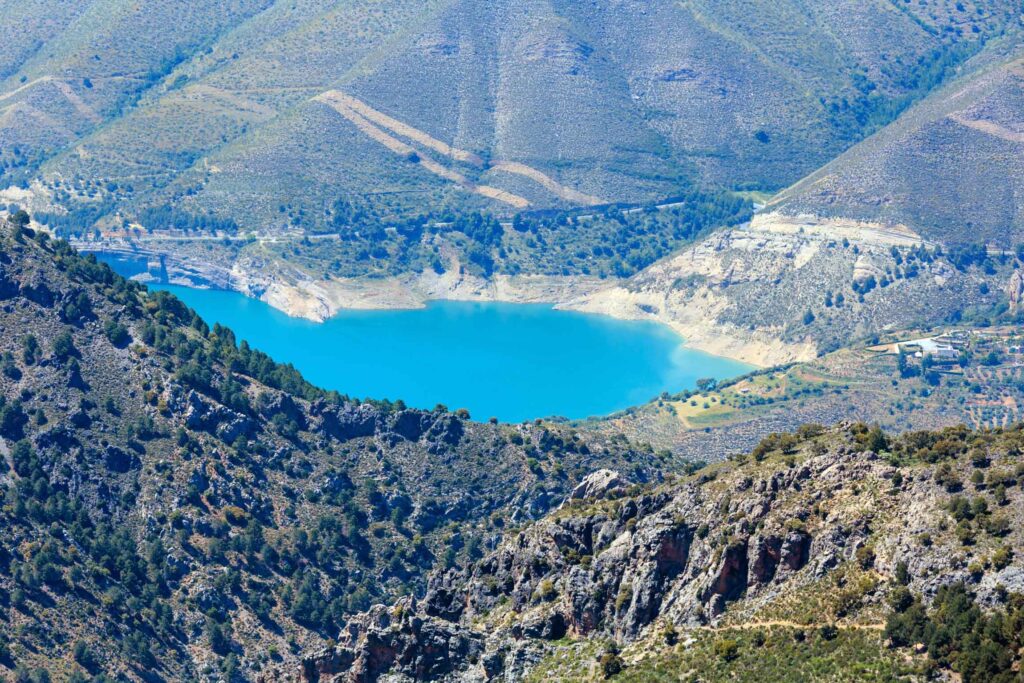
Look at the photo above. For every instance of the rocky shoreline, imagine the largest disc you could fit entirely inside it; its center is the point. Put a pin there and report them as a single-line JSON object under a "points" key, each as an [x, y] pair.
{"points": [[768, 264], [299, 295]]}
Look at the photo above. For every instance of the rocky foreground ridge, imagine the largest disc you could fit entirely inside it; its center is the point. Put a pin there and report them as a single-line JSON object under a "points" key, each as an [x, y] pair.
{"points": [[814, 530]]}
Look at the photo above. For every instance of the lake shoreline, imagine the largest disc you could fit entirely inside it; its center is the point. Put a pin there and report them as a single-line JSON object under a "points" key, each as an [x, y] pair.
{"points": [[298, 295], [497, 359], [320, 301]]}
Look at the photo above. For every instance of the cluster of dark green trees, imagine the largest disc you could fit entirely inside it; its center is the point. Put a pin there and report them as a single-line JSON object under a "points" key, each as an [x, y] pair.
{"points": [[981, 646], [865, 108], [132, 586], [169, 218], [615, 240]]}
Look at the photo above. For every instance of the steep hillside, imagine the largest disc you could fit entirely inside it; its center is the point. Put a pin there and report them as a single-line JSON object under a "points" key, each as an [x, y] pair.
{"points": [[781, 289], [178, 506], [822, 555], [267, 113], [68, 68], [951, 169]]}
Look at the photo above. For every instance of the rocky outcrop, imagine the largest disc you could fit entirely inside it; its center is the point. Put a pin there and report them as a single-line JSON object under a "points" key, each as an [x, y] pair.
{"points": [[347, 421], [773, 555], [599, 484], [119, 460], [8, 286], [398, 641], [200, 413], [284, 405], [1015, 290], [438, 430], [616, 567], [37, 290]]}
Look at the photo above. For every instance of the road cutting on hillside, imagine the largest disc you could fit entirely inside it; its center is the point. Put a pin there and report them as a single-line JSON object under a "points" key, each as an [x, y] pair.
{"points": [[376, 125]]}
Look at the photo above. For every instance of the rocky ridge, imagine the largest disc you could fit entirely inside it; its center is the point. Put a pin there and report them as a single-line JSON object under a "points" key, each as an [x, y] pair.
{"points": [[819, 518]]}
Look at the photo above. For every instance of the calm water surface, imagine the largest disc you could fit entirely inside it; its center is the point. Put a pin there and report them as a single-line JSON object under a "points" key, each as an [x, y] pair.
{"points": [[510, 361]]}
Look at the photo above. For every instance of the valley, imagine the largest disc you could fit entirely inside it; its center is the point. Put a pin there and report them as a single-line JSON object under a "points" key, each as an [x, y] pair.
{"points": [[848, 275], [267, 508], [366, 341]]}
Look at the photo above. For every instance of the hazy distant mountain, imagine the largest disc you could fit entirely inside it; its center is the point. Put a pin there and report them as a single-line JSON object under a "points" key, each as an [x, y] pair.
{"points": [[268, 112]]}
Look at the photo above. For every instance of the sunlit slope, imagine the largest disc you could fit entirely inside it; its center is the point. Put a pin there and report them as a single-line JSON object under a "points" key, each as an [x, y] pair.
{"points": [[559, 103], [70, 67], [952, 169]]}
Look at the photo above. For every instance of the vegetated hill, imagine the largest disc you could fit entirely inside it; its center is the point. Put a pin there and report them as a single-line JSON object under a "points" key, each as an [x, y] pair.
{"points": [[177, 506], [267, 113], [822, 555], [951, 169], [68, 68]]}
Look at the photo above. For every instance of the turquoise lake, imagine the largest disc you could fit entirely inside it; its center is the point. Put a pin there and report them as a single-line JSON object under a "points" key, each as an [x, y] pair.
{"points": [[510, 361]]}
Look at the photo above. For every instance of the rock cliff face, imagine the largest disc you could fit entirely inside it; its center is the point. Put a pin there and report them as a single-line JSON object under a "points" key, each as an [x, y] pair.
{"points": [[1015, 290], [734, 541]]}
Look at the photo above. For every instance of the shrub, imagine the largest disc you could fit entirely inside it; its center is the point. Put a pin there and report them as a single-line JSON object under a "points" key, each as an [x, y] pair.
{"points": [[624, 597], [546, 590], [235, 515], [117, 334], [64, 347], [30, 349], [726, 649], [866, 556], [901, 599], [1001, 558], [611, 664], [947, 478], [959, 636], [220, 640], [997, 525], [83, 655], [12, 419], [876, 440], [902, 574]]}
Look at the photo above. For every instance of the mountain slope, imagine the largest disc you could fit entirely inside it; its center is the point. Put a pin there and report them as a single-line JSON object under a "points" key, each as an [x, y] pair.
{"points": [[184, 507], [75, 66], [781, 289], [790, 562], [624, 102], [951, 169]]}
